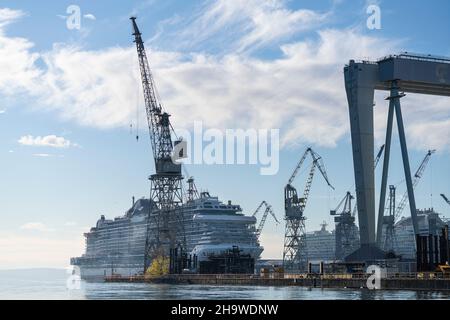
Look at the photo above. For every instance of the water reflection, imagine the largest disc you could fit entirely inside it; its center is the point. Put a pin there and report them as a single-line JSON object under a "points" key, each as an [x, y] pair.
{"points": [[163, 291], [51, 284]]}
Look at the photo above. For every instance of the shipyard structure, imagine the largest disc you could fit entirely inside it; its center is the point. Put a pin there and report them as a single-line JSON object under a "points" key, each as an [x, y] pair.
{"points": [[176, 229], [180, 231], [325, 246], [212, 229]]}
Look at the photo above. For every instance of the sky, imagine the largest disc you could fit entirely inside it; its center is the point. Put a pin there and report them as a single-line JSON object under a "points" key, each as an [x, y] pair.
{"points": [[71, 106]]}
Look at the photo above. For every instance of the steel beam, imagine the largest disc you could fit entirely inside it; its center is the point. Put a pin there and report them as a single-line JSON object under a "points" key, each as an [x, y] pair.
{"points": [[406, 167], [387, 152]]}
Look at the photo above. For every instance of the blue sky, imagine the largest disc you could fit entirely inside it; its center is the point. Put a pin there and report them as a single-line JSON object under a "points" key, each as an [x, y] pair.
{"points": [[230, 64]]}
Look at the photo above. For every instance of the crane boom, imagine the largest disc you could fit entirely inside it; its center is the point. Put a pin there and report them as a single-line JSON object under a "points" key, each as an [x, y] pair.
{"points": [[417, 176], [299, 165], [259, 208], [317, 160], [319, 163], [264, 216], [445, 198], [378, 157], [158, 120]]}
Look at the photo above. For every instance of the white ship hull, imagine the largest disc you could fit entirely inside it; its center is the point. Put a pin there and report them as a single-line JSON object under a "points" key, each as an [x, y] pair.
{"points": [[116, 247]]}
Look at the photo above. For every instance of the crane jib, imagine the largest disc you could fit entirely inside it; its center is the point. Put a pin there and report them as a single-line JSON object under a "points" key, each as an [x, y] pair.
{"points": [[158, 121]]}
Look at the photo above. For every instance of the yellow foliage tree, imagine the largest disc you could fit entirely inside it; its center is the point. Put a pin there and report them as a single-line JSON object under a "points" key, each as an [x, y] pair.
{"points": [[158, 267]]}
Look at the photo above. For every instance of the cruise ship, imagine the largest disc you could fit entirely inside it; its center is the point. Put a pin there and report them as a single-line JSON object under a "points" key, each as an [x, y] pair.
{"points": [[211, 227]]}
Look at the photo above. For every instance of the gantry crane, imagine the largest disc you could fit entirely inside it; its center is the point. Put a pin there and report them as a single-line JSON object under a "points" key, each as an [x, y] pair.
{"points": [[346, 233], [166, 191], [389, 220], [295, 254], [264, 216]]}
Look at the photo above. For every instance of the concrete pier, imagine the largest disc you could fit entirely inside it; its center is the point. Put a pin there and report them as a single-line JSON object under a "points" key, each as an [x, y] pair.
{"points": [[410, 281]]}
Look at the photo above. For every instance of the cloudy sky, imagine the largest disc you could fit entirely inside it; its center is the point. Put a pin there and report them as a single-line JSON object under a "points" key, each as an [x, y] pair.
{"points": [[71, 105]]}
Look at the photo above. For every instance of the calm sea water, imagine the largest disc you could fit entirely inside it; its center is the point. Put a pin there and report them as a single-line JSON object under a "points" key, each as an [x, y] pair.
{"points": [[51, 284]]}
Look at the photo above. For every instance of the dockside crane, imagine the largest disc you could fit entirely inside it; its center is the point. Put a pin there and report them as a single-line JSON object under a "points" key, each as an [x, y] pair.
{"points": [[295, 254], [346, 240], [395, 211], [417, 176], [268, 209], [166, 191]]}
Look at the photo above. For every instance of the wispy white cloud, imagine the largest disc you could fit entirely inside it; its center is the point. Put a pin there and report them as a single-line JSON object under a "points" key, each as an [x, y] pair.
{"points": [[17, 62], [301, 92], [247, 25], [47, 155], [8, 16], [42, 155], [2, 111], [52, 141], [35, 226]]}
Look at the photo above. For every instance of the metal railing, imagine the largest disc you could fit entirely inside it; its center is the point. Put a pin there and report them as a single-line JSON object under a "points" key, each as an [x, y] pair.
{"points": [[279, 276], [416, 56]]}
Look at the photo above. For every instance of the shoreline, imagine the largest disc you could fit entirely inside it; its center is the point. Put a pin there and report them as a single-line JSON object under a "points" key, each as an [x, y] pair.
{"points": [[311, 281]]}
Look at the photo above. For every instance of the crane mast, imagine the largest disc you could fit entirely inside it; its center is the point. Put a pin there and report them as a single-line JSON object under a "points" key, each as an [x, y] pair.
{"points": [[346, 239], [166, 191]]}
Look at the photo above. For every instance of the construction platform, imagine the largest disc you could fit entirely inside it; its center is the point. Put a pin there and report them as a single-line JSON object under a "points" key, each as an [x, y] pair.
{"points": [[404, 281]]}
